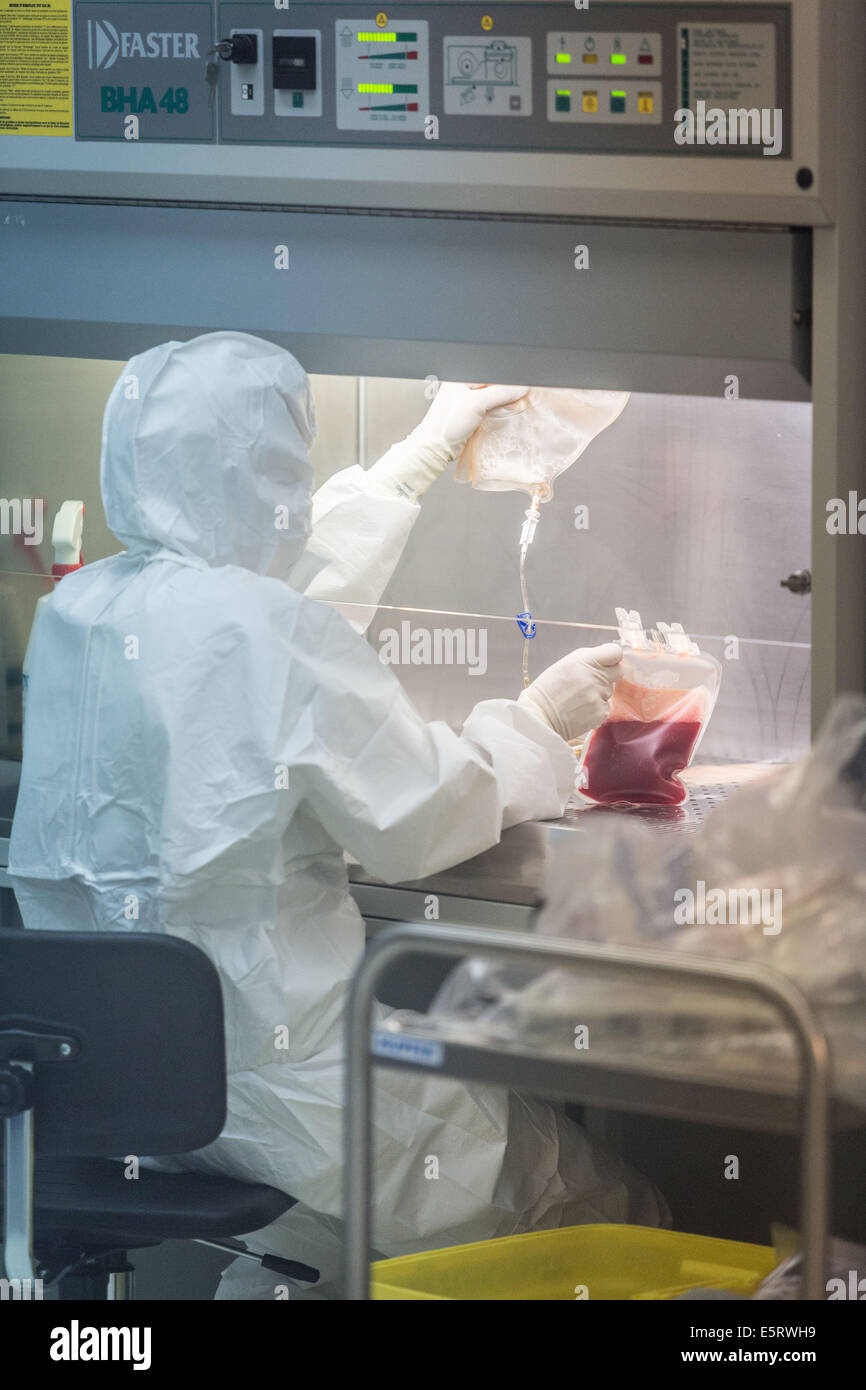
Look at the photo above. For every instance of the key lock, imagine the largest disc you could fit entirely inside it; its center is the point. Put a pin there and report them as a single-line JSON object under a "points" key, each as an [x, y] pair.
{"points": [[241, 48]]}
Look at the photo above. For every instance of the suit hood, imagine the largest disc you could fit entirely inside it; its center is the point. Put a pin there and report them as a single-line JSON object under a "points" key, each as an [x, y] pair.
{"points": [[204, 452]]}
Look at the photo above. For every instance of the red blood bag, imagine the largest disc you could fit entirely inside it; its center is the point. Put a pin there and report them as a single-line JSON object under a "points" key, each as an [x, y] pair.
{"points": [[658, 715]]}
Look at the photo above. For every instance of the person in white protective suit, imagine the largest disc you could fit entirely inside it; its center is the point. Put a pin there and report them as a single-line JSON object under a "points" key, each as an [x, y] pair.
{"points": [[204, 741]]}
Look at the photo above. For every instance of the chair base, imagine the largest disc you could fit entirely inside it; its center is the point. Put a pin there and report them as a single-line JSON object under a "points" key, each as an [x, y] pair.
{"points": [[99, 1278], [89, 1214]]}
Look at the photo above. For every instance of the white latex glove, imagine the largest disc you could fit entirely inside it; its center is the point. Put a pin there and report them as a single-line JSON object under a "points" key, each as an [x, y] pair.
{"points": [[412, 466], [573, 696]]}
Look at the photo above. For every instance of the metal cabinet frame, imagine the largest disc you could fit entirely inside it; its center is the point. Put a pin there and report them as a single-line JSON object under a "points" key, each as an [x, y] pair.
{"points": [[554, 1075]]}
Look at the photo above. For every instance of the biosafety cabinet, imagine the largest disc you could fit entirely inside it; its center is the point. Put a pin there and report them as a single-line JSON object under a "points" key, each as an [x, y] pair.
{"points": [[665, 196], [661, 196]]}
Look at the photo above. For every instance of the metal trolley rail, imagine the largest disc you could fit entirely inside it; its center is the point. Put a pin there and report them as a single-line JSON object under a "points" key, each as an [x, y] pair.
{"points": [[631, 1086]]}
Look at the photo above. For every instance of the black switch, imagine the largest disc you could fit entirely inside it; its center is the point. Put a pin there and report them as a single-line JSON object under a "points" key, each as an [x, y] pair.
{"points": [[245, 48], [294, 64]]}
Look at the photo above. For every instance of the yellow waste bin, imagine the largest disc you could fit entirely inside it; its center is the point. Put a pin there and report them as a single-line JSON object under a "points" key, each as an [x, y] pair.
{"points": [[576, 1262]]}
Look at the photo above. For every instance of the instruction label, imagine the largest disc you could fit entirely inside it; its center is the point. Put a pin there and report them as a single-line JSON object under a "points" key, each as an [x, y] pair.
{"points": [[728, 65], [35, 67]]}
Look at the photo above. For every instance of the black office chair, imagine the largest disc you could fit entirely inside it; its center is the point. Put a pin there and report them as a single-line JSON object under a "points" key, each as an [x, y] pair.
{"points": [[112, 1045]]}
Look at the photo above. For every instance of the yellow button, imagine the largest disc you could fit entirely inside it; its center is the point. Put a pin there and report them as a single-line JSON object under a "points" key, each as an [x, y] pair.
{"points": [[645, 103], [590, 102]]}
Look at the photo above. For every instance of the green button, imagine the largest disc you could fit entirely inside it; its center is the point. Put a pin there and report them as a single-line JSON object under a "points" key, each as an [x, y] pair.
{"points": [[297, 98], [563, 103], [617, 105]]}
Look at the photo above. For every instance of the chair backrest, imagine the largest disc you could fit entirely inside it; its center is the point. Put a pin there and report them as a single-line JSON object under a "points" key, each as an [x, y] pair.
{"points": [[146, 1014]]}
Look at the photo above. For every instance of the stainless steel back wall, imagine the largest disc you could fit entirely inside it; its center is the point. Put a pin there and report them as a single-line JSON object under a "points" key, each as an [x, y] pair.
{"points": [[697, 510]]}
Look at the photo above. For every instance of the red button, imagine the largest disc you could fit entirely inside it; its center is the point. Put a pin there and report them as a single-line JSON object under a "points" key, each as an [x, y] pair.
{"points": [[645, 58]]}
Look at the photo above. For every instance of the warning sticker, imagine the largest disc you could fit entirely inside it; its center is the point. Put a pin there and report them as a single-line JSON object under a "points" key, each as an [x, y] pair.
{"points": [[35, 67], [728, 65]]}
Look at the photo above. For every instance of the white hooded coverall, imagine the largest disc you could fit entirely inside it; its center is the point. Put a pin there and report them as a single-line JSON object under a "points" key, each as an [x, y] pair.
{"points": [[203, 742]]}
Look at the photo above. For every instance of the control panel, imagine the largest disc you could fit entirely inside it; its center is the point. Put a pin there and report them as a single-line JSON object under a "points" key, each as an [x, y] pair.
{"points": [[613, 78]]}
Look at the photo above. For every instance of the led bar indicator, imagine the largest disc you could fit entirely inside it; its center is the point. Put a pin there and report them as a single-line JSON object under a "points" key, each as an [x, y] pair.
{"points": [[387, 38], [386, 88]]}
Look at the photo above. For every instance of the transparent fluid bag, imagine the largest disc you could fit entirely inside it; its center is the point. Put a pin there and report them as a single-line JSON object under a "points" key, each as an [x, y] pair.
{"points": [[525, 446], [659, 712]]}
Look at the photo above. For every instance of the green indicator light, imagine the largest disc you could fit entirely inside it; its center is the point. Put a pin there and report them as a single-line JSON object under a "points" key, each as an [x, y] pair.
{"points": [[563, 57], [376, 87], [563, 92], [379, 38], [617, 94], [618, 58], [403, 87], [406, 38]]}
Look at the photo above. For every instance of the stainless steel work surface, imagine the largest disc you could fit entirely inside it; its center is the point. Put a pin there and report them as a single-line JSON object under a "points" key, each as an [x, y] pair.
{"points": [[512, 872]]}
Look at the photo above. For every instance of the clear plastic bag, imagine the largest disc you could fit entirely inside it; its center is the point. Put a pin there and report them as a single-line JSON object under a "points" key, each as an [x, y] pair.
{"points": [[659, 713], [526, 445], [846, 1266], [791, 844]]}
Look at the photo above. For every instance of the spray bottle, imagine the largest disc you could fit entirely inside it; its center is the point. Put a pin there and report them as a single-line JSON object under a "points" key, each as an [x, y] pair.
{"points": [[66, 541]]}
